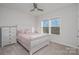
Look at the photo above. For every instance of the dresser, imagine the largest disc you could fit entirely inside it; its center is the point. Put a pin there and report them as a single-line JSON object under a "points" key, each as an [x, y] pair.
{"points": [[7, 35]]}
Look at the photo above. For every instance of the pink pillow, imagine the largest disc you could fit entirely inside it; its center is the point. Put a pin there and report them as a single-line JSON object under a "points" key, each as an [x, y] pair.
{"points": [[20, 31], [27, 31], [24, 31]]}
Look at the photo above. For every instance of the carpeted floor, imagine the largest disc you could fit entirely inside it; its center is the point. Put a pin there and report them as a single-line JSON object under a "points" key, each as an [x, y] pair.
{"points": [[51, 49]]}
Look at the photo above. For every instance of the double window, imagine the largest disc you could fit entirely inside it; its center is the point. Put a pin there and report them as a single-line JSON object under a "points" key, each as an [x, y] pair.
{"points": [[51, 26]]}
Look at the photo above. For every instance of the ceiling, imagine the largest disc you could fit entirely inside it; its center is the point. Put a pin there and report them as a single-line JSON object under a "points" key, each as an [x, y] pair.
{"points": [[26, 7]]}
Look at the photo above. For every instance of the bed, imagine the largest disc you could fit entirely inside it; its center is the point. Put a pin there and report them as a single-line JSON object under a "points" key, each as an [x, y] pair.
{"points": [[33, 41]]}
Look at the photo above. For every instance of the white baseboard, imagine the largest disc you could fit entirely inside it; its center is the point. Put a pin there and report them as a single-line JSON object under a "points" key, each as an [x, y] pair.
{"points": [[65, 44]]}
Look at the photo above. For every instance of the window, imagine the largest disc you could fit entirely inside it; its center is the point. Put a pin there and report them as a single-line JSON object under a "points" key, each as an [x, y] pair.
{"points": [[51, 26], [45, 26], [55, 26]]}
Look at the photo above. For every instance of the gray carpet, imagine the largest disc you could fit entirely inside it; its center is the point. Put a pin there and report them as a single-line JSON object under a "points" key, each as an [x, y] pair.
{"points": [[51, 49]]}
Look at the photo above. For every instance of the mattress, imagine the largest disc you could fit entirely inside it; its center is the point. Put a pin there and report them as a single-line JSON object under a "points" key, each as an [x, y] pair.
{"points": [[31, 36], [36, 36]]}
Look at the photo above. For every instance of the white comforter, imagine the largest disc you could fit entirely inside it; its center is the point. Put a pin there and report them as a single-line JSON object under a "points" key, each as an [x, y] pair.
{"points": [[31, 36], [32, 40]]}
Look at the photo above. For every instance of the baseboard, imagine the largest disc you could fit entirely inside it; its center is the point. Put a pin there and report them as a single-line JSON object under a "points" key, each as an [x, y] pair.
{"points": [[66, 44]]}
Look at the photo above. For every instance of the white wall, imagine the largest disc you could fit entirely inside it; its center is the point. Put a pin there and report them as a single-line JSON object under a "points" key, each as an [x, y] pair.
{"points": [[15, 17], [78, 24], [68, 16]]}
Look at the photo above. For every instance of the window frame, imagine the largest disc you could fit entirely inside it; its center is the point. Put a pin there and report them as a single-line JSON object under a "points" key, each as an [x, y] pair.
{"points": [[50, 26]]}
